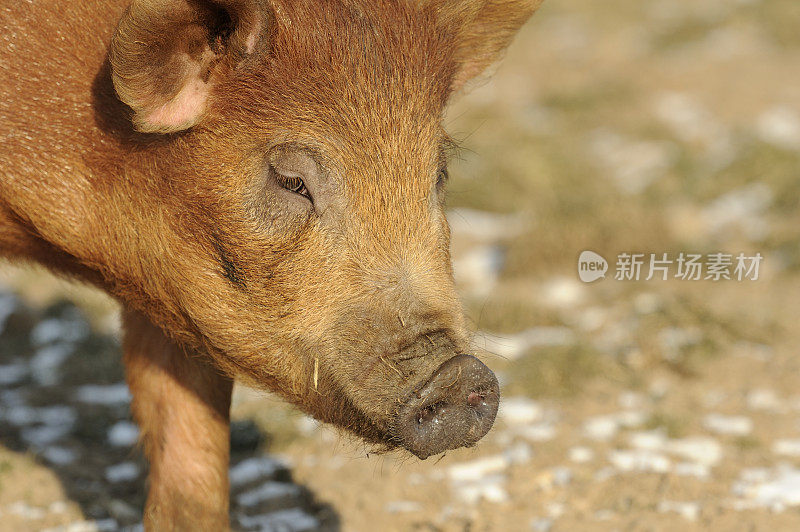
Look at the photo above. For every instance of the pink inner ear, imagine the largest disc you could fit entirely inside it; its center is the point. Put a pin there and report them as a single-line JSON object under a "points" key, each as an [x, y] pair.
{"points": [[182, 111], [186, 107], [250, 42]]}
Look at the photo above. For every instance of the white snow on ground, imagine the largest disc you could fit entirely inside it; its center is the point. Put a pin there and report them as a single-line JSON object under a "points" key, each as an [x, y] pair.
{"points": [[526, 419], [59, 455], [520, 411], [699, 449], [764, 399], [688, 510], [478, 267], [581, 455], [691, 122], [59, 330], [476, 271], [477, 470], [779, 126], [537, 432], [252, 469], [630, 400], [99, 525], [307, 425], [692, 469], [787, 447], [742, 209], [47, 361], [25, 510], [8, 303], [519, 453], [654, 440], [490, 489], [123, 434], [632, 164], [772, 488], [605, 427], [123, 472], [293, 520], [103, 393], [47, 432], [639, 460], [686, 117], [653, 452], [601, 427], [40, 437], [401, 507], [728, 425], [267, 491], [674, 340], [589, 319], [21, 415], [480, 479], [562, 292], [42, 426], [12, 373]]}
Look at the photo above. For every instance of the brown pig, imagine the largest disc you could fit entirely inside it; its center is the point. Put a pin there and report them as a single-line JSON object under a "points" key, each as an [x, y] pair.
{"points": [[259, 183]]}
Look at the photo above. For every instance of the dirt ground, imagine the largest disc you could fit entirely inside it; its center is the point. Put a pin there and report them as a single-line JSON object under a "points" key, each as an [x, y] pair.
{"points": [[652, 127]]}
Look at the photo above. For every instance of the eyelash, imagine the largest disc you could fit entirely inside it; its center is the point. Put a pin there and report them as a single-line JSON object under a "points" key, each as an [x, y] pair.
{"points": [[293, 184], [441, 178], [296, 185]]}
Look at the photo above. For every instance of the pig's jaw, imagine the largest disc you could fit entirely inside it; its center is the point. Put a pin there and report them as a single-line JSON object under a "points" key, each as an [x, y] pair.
{"points": [[454, 406], [450, 407]]}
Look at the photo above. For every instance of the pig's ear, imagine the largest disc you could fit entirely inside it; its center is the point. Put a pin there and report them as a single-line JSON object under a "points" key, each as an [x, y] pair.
{"points": [[166, 54], [483, 30]]}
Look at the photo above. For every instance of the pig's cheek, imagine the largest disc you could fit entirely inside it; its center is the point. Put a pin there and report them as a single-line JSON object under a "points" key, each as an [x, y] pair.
{"points": [[273, 218]]}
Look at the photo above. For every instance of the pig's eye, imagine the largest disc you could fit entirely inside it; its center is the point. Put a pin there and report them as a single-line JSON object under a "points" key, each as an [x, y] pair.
{"points": [[294, 184]]}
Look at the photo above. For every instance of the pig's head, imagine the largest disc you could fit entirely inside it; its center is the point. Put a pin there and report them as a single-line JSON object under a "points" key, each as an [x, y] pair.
{"points": [[289, 212]]}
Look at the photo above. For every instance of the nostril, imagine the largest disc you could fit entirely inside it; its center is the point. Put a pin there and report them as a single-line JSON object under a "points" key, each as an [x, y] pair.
{"points": [[475, 399], [429, 412]]}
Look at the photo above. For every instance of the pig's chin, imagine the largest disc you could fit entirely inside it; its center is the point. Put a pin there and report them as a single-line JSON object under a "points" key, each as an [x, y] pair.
{"points": [[454, 406]]}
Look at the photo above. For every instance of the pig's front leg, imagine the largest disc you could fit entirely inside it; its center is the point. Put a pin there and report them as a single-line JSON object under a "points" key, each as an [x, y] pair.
{"points": [[181, 403]]}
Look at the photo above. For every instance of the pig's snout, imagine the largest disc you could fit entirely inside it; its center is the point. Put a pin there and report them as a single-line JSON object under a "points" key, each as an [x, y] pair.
{"points": [[454, 408]]}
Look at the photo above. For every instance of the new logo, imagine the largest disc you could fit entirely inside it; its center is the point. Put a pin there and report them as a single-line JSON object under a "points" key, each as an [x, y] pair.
{"points": [[591, 267]]}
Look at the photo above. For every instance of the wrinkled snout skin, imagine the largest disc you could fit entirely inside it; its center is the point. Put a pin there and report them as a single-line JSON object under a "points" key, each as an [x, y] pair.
{"points": [[454, 408], [260, 183]]}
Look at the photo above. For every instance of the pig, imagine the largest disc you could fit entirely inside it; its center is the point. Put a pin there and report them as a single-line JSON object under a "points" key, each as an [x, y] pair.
{"points": [[260, 184]]}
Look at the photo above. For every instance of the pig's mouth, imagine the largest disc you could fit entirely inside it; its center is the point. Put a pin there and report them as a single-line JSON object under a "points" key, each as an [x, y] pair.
{"points": [[454, 408], [397, 402]]}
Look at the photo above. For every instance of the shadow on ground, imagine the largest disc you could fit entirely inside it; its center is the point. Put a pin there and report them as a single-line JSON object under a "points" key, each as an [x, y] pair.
{"points": [[63, 399]]}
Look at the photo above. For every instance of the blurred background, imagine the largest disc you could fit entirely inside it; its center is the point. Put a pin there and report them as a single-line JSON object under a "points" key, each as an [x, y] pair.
{"points": [[649, 126]]}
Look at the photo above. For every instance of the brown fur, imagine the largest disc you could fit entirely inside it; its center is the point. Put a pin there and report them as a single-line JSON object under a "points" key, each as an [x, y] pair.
{"points": [[181, 403], [185, 229]]}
